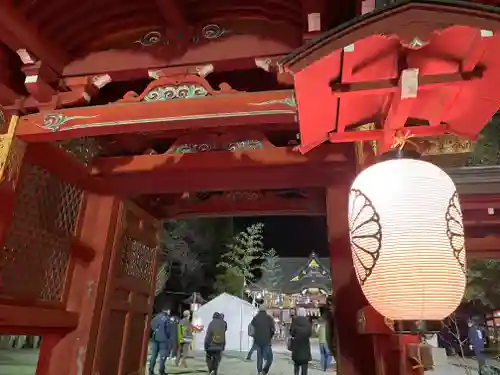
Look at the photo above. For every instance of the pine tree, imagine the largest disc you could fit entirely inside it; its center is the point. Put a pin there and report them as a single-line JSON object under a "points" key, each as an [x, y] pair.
{"points": [[244, 252], [487, 148], [271, 271]]}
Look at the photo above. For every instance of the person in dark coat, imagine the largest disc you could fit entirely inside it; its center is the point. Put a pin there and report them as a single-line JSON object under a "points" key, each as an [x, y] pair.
{"points": [[215, 342], [160, 341], [300, 332], [263, 332], [476, 343]]}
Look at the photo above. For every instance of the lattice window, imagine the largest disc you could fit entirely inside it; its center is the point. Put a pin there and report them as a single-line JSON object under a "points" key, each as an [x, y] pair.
{"points": [[137, 260], [38, 243]]}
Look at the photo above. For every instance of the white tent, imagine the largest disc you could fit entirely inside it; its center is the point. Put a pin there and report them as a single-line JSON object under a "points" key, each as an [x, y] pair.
{"points": [[237, 313]]}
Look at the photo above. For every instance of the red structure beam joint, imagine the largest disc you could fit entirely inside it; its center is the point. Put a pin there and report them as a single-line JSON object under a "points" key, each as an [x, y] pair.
{"points": [[386, 86]]}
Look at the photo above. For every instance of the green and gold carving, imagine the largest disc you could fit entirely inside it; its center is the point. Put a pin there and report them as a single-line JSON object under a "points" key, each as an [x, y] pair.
{"points": [[445, 150], [12, 151]]}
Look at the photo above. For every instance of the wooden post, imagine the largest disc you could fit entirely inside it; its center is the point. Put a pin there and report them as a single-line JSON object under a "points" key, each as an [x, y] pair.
{"points": [[73, 353], [358, 354], [355, 354]]}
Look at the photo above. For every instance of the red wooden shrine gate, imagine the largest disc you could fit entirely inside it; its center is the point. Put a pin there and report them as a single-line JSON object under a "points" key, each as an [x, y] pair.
{"points": [[77, 267]]}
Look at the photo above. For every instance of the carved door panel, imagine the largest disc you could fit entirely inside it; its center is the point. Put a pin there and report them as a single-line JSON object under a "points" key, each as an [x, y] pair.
{"points": [[122, 339]]}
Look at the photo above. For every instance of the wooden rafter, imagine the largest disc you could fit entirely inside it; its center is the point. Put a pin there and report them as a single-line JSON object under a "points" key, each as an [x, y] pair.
{"points": [[17, 33], [172, 13]]}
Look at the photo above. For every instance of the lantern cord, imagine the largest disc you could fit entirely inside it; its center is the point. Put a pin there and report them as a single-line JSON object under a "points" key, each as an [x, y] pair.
{"points": [[400, 140]]}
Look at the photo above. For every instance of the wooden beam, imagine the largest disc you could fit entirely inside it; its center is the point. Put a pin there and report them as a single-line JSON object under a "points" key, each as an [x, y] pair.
{"points": [[35, 320], [482, 218], [215, 160], [172, 13], [425, 82], [234, 51], [63, 165], [268, 168], [230, 110], [295, 176], [17, 33], [479, 201], [483, 248], [247, 203]]}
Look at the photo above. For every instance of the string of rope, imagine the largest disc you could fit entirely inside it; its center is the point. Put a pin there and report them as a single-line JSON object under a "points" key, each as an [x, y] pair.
{"points": [[401, 139]]}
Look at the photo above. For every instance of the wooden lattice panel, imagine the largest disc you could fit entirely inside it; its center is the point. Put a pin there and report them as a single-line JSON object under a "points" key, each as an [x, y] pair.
{"points": [[37, 246], [137, 260]]}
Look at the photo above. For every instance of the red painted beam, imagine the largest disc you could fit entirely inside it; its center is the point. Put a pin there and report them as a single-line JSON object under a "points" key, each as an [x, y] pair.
{"points": [[60, 163], [215, 160], [480, 201], [386, 86], [284, 177], [247, 204], [231, 110], [269, 168], [483, 248], [36, 320], [379, 134], [230, 51]]}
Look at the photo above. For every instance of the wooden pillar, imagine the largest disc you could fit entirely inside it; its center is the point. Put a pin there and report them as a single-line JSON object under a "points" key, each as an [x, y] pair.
{"points": [[356, 353], [73, 354]]}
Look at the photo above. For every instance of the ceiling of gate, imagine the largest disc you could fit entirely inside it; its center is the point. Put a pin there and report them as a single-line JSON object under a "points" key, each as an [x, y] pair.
{"points": [[68, 30], [54, 38], [85, 26]]}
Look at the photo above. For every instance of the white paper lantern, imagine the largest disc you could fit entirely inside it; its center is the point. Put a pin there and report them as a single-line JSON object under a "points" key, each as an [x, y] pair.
{"points": [[407, 239]]}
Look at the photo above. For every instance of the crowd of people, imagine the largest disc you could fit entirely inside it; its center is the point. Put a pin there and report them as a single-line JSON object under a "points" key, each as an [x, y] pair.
{"points": [[172, 338], [262, 329]]}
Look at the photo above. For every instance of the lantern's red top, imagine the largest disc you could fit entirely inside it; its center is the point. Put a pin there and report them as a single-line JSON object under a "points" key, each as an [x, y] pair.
{"points": [[425, 67]]}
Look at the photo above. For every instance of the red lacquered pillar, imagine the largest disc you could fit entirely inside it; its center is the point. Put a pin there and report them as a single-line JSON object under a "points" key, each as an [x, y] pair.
{"points": [[356, 355]]}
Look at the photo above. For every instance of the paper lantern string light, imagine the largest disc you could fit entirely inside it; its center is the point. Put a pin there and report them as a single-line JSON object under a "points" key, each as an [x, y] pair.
{"points": [[407, 236]]}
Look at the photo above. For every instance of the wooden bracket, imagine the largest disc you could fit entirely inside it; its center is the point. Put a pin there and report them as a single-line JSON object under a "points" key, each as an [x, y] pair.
{"points": [[41, 81]]}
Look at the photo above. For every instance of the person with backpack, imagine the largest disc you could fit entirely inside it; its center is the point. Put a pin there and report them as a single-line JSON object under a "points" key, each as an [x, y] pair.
{"points": [[215, 342], [160, 326]]}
